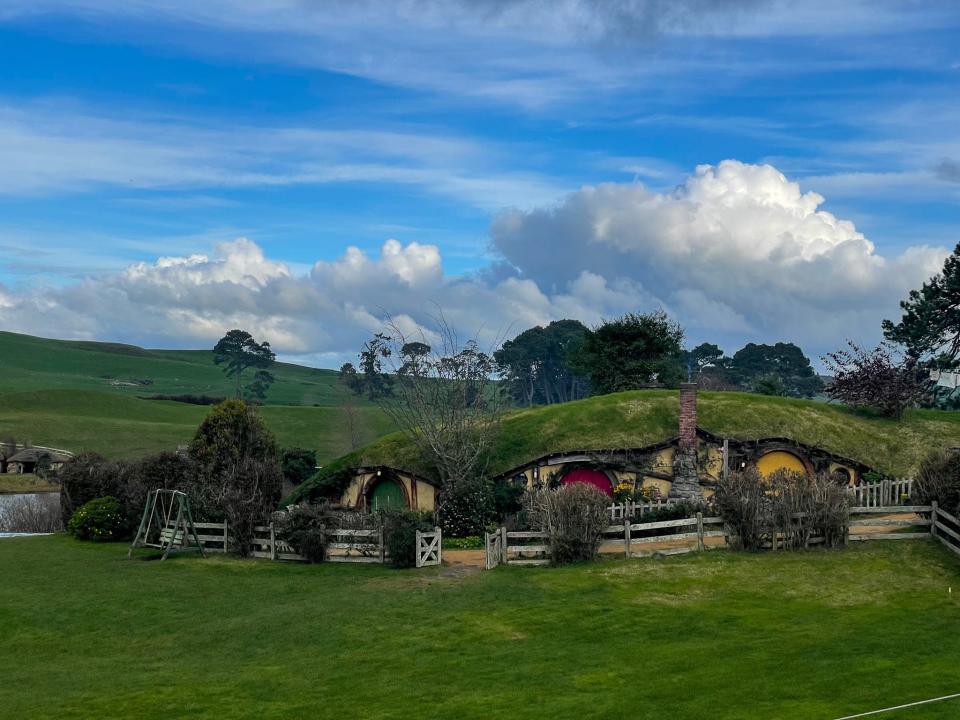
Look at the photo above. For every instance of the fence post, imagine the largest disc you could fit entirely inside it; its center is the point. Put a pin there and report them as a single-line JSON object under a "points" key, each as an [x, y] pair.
{"points": [[419, 562], [503, 544], [380, 547], [273, 542], [626, 535], [700, 545], [933, 518], [225, 548], [439, 539]]}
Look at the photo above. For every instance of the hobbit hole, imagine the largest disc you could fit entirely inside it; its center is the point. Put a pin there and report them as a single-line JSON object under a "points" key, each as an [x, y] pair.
{"points": [[589, 476]]}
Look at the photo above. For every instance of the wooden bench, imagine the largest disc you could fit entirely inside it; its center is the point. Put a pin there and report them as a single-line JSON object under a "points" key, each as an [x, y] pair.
{"points": [[169, 537]]}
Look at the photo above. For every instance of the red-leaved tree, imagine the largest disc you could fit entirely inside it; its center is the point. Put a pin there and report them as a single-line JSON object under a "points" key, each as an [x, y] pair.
{"points": [[879, 379]]}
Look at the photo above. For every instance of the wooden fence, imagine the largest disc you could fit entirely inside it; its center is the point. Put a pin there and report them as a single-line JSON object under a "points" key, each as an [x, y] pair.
{"points": [[343, 544], [883, 493], [946, 528], [629, 510], [530, 547]]}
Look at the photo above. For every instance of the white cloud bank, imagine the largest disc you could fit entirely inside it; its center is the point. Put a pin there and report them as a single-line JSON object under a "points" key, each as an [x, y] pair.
{"points": [[736, 253]]}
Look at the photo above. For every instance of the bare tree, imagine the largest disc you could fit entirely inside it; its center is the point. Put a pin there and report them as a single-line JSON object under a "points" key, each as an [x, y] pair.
{"points": [[445, 399], [350, 416]]}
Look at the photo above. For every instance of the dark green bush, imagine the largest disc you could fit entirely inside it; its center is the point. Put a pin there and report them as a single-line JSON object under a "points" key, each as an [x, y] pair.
{"points": [[99, 519], [471, 542], [466, 507], [400, 534], [303, 527], [508, 497], [297, 465]]}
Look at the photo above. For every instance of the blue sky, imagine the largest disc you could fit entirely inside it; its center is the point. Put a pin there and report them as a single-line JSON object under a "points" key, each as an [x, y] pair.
{"points": [[131, 131]]}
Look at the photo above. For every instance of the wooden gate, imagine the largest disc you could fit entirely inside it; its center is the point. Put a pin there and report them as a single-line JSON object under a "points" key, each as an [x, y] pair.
{"points": [[496, 547], [429, 550]]}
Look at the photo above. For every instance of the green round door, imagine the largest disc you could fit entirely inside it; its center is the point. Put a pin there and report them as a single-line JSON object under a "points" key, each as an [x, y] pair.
{"points": [[387, 494]]}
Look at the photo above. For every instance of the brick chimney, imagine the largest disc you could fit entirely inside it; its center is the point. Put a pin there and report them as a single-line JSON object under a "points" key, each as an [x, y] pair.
{"points": [[686, 481], [688, 416]]}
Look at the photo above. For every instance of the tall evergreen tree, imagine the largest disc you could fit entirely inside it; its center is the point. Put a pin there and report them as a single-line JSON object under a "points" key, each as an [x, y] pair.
{"points": [[930, 326]]}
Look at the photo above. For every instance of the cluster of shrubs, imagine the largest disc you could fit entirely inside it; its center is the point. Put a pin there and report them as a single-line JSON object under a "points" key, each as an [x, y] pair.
{"points": [[760, 508], [304, 528], [938, 479], [231, 472]]}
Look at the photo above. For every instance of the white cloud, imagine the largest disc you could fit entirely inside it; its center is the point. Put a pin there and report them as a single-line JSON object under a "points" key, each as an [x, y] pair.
{"points": [[736, 253]]}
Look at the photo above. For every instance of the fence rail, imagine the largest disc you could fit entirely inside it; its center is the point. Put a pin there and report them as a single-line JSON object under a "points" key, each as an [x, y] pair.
{"points": [[690, 534], [343, 544], [884, 493], [618, 512]]}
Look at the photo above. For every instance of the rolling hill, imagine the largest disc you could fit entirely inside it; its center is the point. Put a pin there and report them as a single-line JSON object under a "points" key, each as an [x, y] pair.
{"points": [[90, 396], [639, 418]]}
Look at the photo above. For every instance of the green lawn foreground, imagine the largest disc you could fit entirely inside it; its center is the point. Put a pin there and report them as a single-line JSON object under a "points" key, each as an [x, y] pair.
{"points": [[85, 633]]}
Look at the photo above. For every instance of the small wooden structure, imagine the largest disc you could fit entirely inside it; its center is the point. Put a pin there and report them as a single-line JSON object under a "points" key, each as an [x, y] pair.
{"points": [[167, 524]]}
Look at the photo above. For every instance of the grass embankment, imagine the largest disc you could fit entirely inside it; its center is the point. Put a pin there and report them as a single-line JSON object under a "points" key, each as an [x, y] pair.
{"points": [[27, 483], [720, 635], [635, 419], [87, 396]]}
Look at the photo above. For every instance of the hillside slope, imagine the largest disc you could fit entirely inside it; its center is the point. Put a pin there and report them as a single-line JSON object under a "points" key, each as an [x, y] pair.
{"points": [[31, 363], [635, 419], [88, 396]]}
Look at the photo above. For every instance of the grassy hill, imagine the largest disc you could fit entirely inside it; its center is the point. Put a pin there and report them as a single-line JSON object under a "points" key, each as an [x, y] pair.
{"points": [[88, 396], [31, 363], [635, 419]]}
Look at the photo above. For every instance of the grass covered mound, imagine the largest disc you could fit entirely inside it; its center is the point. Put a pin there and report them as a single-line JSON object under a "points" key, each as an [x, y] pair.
{"points": [[636, 419], [89, 634]]}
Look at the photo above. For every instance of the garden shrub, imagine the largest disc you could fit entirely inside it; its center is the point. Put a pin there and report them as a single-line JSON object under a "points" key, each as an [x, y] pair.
{"points": [[757, 507], [507, 498], [938, 478], [303, 527], [238, 472], [99, 519], [400, 534], [471, 542], [466, 508], [574, 518]]}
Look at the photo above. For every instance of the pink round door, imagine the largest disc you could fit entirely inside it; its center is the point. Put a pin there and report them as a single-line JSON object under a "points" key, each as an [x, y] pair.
{"points": [[590, 476]]}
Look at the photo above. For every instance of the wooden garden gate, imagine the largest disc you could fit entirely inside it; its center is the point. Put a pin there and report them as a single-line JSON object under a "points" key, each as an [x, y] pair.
{"points": [[429, 550], [495, 545]]}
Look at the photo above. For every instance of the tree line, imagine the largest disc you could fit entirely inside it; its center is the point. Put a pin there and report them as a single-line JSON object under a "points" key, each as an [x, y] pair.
{"points": [[566, 360]]}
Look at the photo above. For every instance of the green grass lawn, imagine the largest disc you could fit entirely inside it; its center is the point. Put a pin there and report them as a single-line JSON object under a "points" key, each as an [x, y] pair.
{"points": [[86, 633]]}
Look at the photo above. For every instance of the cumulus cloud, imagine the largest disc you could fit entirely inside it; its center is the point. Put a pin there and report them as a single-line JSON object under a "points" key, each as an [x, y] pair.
{"points": [[736, 253]]}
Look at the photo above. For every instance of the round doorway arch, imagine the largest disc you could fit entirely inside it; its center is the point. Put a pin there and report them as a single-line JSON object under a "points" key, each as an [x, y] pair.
{"points": [[781, 460], [589, 476], [386, 491]]}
